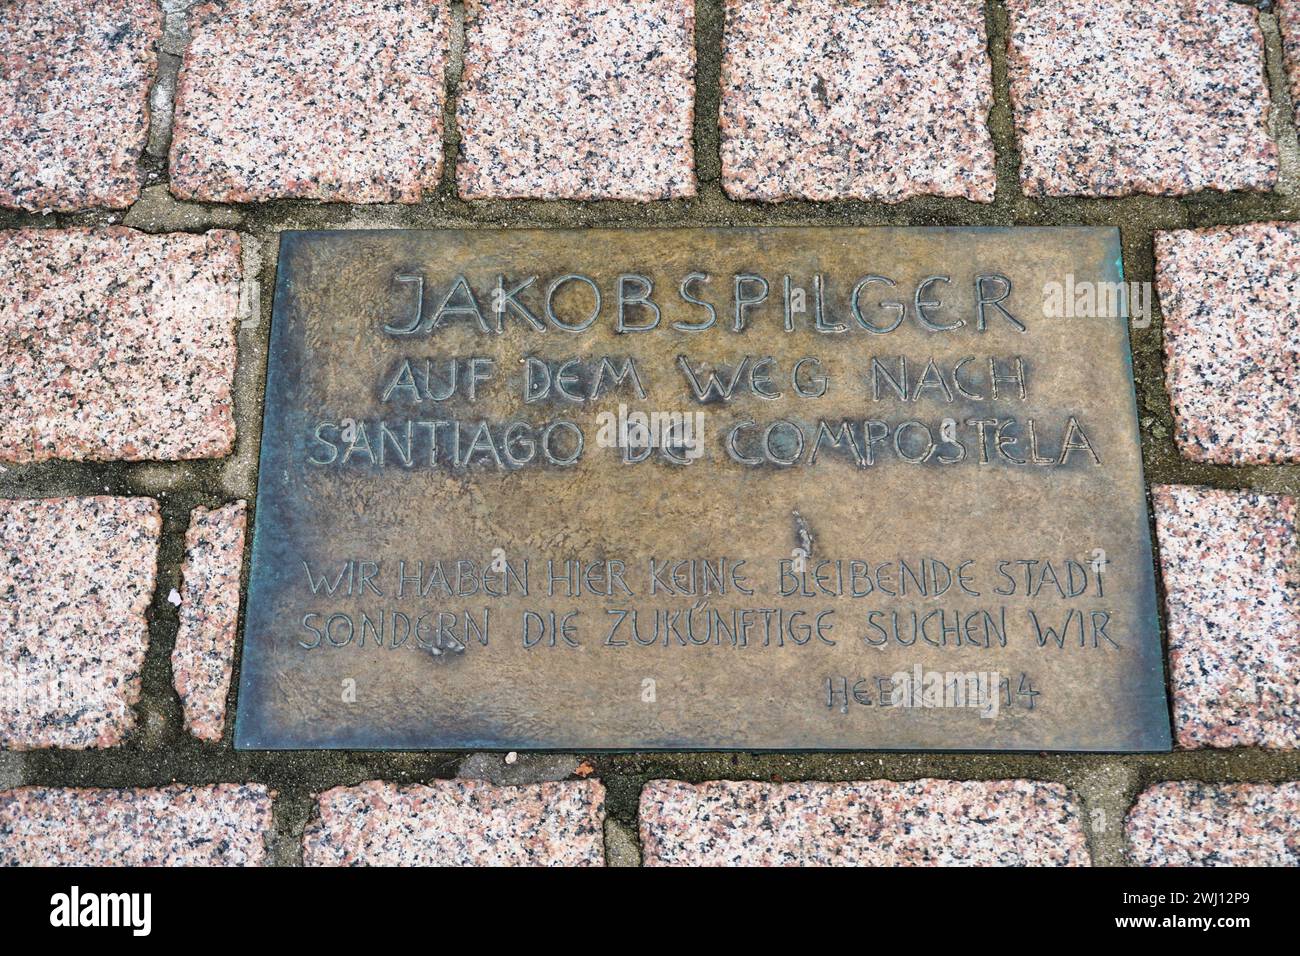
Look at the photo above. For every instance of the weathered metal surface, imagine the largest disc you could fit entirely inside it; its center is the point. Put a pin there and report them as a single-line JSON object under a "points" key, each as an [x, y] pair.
{"points": [[889, 555]]}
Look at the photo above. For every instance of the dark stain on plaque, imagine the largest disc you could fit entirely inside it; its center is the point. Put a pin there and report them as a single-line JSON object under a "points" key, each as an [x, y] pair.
{"points": [[701, 489]]}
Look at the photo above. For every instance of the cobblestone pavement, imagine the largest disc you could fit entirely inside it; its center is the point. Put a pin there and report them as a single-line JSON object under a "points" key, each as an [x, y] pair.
{"points": [[136, 261]]}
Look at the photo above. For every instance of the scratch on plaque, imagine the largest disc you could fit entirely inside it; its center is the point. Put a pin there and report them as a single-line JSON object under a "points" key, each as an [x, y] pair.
{"points": [[802, 535]]}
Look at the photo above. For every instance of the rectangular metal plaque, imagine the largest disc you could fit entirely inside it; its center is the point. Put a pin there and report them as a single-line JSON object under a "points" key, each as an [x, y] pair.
{"points": [[773, 488]]}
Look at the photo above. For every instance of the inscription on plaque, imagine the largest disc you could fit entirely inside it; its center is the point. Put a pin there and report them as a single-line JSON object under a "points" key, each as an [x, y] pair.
{"points": [[701, 488]]}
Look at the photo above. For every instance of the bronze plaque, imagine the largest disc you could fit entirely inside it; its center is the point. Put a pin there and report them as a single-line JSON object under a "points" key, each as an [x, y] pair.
{"points": [[781, 488]]}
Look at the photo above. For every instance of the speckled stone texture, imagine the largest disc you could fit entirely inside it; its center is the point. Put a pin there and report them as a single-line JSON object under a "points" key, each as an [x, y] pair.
{"points": [[76, 578], [1231, 304], [225, 824], [74, 95], [1188, 823], [823, 99], [115, 344], [871, 823], [1139, 96], [209, 616], [1232, 595], [1289, 18], [577, 99], [335, 100], [458, 823]]}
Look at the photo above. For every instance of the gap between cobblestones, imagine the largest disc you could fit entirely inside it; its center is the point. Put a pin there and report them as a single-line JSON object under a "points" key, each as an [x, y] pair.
{"points": [[159, 751]]}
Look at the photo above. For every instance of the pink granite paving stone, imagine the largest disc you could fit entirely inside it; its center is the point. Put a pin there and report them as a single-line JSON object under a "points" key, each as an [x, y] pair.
{"points": [[868, 823], [1139, 96], [1289, 16], [117, 345], [1189, 823], [458, 823], [225, 824], [577, 99], [823, 99], [76, 579], [204, 653], [1231, 304], [333, 100], [74, 101], [1232, 593]]}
